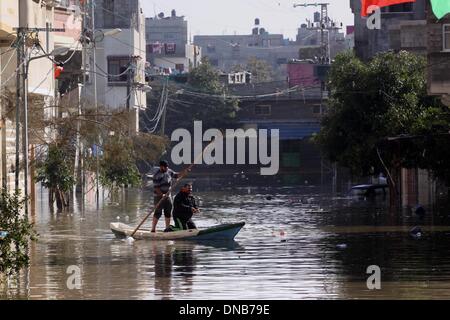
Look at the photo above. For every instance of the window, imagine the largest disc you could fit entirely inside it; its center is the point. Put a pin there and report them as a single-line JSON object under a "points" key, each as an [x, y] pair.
{"points": [[263, 110], [179, 67], [108, 14], [214, 62], [403, 7], [446, 37], [116, 68], [170, 36], [211, 48], [282, 61]]}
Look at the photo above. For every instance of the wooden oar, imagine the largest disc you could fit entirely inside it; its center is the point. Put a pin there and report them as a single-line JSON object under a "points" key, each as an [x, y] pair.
{"points": [[182, 175]]}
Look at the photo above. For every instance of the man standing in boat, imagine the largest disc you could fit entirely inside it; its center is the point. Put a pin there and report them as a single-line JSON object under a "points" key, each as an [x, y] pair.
{"points": [[162, 182], [184, 206]]}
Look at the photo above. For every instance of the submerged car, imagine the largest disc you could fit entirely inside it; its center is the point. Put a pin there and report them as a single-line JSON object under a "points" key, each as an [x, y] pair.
{"points": [[369, 190]]}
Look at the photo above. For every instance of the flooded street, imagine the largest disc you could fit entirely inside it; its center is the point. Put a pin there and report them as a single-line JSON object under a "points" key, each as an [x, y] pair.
{"points": [[297, 244]]}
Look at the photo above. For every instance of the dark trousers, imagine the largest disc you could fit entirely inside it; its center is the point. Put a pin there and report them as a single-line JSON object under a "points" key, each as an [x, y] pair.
{"points": [[165, 205], [184, 223]]}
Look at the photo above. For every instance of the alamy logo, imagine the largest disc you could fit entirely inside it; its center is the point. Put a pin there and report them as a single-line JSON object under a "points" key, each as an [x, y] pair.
{"points": [[74, 280], [374, 280], [374, 20], [233, 143]]}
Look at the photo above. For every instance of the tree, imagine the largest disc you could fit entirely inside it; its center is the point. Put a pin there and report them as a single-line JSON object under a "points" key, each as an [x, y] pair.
{"points": [[55, 172], [385, 98], [14, 245], [205, 78], [118, 167], [261, 71]]}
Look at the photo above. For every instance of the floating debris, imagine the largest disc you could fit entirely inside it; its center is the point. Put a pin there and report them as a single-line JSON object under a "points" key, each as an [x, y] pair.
{"points": [[341, 246], [3, 235], [416, 232]]}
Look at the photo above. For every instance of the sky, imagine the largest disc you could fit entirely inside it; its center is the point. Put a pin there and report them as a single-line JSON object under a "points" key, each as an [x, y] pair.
{"points": [[217, 17]]}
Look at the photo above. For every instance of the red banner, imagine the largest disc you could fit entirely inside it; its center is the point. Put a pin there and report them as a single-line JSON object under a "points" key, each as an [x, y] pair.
{"points": [[379, 3]]}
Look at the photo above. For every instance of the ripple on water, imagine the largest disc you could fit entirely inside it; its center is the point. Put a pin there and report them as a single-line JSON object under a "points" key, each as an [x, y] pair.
{"points": [[289, 249]]}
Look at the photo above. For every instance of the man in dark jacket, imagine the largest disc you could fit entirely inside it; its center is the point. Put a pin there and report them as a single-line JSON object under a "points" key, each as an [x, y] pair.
{"points": [[184, 206]]}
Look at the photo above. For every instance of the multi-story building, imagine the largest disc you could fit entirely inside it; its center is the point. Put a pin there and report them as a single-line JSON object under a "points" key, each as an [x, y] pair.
{"points": [[41, 83], [168, 47], [402, 28], [120, 55], [438, 54], [225, 52]]}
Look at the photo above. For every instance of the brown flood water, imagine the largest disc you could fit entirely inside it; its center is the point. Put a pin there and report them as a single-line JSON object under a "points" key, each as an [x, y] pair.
{"points": [[327, 247]]}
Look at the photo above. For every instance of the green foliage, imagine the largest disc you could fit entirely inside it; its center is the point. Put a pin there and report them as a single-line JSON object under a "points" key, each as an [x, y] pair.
{"points": [[148, 147], [384, 98], [14, 247], [117, 166], [205, 78], [56, 172]]}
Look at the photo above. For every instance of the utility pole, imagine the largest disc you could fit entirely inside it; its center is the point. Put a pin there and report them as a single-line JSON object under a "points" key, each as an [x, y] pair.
{"points": [[84, 12], [23, 63], [94, 69], [130, 81], [25, 126], [20, 58], [324, 27], [163, 117]]}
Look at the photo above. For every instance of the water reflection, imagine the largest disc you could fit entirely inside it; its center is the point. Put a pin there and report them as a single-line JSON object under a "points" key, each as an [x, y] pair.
{"points": [[297, 243]]}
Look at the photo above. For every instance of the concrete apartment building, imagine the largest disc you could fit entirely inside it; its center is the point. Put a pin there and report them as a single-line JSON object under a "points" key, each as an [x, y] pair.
{"points": [[168, 44], [118, 57], [41, 82], [402, 28], [227, 51]]}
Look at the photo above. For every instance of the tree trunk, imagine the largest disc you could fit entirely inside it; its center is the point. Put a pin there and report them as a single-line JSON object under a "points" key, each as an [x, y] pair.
{"points": [[394, 191], [59, 200]]}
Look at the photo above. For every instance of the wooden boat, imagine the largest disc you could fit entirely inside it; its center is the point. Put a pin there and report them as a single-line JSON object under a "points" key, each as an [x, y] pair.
{"points": [[219, 232]]}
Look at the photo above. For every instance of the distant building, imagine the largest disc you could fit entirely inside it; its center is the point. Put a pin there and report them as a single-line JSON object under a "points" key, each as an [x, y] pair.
{"points": [[302, 73], [297, 118], [310, 35], [227, 51], [402, 28], [350, 38], [236, 78], [168, 48]]}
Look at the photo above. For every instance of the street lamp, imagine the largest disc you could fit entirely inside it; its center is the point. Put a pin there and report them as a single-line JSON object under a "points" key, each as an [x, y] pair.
{"points": [[146, 88]]}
